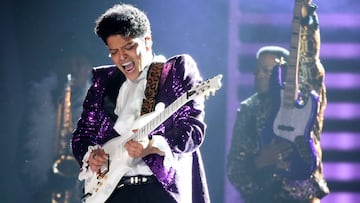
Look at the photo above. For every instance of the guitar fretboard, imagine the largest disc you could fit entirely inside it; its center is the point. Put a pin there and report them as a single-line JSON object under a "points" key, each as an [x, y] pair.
{"points": [[165, 114], [291, 87], [202, 89]]}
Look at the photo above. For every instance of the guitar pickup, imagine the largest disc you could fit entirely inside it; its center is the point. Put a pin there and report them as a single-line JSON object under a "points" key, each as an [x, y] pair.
{"points": [[286, 128]]}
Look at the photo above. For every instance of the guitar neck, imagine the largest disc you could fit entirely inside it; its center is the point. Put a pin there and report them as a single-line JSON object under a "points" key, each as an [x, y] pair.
{"points": [[160, 118], [204, 88], [291, 87]]}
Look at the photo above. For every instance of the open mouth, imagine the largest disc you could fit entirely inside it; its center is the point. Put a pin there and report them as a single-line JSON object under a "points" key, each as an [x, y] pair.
{"points": [[128, 67]]}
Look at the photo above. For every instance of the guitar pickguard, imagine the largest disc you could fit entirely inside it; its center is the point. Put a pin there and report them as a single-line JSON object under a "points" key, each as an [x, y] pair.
{"points": [[292, 122], [294, 125]]}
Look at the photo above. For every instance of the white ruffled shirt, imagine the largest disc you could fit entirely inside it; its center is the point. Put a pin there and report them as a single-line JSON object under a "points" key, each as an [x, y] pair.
{"points": [[128, 109]]}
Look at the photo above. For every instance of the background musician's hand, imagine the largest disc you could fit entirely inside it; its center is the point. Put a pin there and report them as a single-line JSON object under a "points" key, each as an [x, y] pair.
{"points": [[273, 154], [304, 11], [97, 158]]}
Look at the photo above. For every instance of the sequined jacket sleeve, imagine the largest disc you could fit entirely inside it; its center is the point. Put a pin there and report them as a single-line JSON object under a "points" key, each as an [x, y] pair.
{"points": [[244, 146], [185, 129], [95, 125]]}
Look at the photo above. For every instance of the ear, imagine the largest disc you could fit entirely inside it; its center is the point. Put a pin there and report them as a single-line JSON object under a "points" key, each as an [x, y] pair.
{"points": [[148, 43]]}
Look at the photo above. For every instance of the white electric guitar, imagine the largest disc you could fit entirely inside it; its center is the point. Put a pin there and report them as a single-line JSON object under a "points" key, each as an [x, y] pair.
{"points": [[99, 186]]}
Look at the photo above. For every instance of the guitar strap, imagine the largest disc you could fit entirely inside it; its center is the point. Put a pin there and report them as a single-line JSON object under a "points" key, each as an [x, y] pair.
{"points": [[153, 78]]}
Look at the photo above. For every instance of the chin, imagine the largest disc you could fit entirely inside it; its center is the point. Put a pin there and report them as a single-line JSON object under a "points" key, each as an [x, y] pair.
{"points": [[132, 76]]}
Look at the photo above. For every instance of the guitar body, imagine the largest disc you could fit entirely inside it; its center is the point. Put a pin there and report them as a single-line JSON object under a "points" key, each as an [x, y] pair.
{"points": [[119, 162], [98, 189], [290, 123], [293, 125]]}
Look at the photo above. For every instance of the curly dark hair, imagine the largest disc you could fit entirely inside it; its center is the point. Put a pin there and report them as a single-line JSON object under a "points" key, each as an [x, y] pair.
{"points": [[122, 19]]}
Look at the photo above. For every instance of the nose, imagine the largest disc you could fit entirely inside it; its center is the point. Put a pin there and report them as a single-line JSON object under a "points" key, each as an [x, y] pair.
{"points": [[122, 55]]}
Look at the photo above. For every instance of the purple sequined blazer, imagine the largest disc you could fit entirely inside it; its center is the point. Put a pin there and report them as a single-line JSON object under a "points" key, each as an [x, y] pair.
{"points": [[184, 130]]}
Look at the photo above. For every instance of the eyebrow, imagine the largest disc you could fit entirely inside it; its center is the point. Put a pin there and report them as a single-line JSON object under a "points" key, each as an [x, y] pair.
{"points": [[126, 44]]}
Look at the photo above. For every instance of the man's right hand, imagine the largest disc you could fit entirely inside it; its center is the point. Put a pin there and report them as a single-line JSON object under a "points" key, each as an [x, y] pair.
{"points": [[97, 158]]}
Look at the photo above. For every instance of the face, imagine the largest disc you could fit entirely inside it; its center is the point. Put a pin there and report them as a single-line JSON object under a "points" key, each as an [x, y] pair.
{"points": [[130, 55], [264, 66]]}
